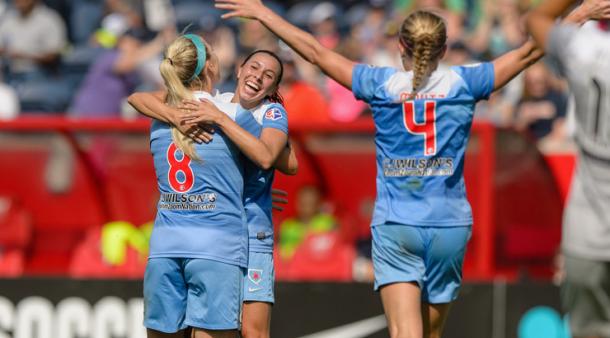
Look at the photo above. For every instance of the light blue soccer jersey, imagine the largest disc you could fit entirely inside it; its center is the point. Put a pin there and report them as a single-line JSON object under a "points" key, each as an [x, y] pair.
{"points": [[200, 212], [421, 143], [258, 182]]}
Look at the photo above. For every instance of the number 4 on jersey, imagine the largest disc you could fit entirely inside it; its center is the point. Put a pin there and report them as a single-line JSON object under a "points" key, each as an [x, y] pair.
{"points": [[427, 128], [176, 166]]}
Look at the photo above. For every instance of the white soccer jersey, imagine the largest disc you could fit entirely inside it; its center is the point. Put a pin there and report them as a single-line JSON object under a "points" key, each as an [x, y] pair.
{"points": [[583, 57]]}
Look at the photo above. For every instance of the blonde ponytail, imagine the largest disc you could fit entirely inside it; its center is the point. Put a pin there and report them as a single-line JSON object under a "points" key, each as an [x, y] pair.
{"points": [[177, 69], [423, 35]]}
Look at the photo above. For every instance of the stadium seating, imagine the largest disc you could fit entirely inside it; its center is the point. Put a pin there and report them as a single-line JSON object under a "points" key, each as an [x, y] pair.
{"points": [[320, 257]]}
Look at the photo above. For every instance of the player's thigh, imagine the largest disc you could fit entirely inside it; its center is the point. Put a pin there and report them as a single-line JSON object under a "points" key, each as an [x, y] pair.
{"points": [[402, 307], [256, 319], [398, 252], [585, 296], [165, 294], [444, 260], [260, 278], [214, 295]]}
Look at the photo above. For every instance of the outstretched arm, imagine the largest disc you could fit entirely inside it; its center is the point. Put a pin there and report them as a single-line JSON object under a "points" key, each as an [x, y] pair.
{"points": [[507, 66], [542, 18], [263, 151], [331, 63]]}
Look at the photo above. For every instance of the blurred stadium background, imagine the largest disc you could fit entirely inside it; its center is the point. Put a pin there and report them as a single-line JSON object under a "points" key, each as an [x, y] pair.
{"points": [[78, 194]]}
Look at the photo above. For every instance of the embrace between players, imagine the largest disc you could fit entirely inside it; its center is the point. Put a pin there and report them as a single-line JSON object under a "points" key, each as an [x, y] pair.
{"points": [[211, 259]]}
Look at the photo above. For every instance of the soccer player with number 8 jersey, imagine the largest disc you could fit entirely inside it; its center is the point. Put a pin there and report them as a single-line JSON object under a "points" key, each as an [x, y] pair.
{"points": [[422, 115], [258, 128]]}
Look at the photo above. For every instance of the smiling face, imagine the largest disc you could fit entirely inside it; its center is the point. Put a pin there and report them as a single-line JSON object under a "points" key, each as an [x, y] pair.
{"points": [[257, 79]]}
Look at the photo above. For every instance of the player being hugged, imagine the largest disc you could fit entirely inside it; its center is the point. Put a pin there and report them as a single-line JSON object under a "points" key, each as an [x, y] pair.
{"points": [[422, 219], [198, 248], [260, 131]]}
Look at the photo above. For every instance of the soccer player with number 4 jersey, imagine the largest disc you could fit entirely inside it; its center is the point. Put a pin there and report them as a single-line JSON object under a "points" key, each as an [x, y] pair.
{"points": [[423, 115], [583, 57]]}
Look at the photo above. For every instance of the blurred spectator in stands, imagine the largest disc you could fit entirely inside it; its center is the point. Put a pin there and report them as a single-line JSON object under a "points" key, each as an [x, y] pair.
{"points": [[542, 108], [310, 219], [132, 10], [9, 102], [253, 35], [372, 28], [362, 268], [387, 54], [344, 107], [223, 39], [323, 24], [499, 30], [304, 103], [113, 75], [32, 37]]}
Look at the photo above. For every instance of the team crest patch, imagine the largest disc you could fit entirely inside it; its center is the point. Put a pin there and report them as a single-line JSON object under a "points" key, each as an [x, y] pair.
{"points": [[273, 114], [255, 275]]}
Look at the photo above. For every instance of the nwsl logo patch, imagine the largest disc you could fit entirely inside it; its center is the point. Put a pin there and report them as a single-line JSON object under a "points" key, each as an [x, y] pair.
{"points": [[273, 114], [255, 275]]}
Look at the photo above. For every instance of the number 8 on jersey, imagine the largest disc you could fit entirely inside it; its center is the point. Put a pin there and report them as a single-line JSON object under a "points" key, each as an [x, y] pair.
{"points": [[176, 166]]}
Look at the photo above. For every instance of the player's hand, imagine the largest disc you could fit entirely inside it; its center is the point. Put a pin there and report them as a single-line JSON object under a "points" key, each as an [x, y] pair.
{"points": [[200, 112], [596, 9], [199, 133], [278, 198], [250, 9]]}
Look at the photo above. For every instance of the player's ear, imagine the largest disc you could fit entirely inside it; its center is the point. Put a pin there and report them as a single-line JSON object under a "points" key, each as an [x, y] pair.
{"points": [[238, 73]]}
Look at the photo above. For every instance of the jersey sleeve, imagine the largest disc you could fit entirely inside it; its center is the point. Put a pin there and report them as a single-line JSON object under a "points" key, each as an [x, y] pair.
{"points": [[558, 39], [275, 117], [479, 78], [368, 81]]}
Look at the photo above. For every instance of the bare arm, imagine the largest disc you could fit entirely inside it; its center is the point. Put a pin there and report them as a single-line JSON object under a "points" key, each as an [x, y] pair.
{"points": [[153, 105], [331, 63], [507, 66], [542, 18], [512, 63], [287, 162], [263, 151]]}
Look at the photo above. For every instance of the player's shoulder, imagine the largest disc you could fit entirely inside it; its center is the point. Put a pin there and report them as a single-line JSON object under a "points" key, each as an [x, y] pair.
{"points": [[268, 110], [589, 40]]}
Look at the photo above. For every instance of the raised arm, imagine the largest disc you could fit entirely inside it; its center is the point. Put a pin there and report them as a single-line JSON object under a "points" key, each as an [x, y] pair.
{"points": [[512, 63], [263, 151], [507, 66], [331, 63], [542, 18]]}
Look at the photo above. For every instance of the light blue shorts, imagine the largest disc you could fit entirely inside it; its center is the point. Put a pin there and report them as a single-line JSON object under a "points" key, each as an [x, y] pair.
{"points": [[185, 292], [258, 282], [430, 256]]}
